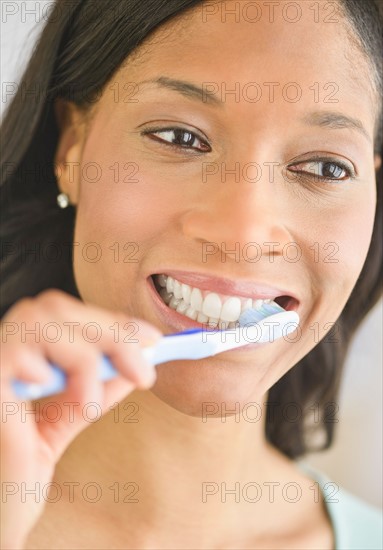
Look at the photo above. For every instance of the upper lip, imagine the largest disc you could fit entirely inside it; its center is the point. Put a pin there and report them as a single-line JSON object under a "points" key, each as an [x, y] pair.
{"points": [[246, 289]]}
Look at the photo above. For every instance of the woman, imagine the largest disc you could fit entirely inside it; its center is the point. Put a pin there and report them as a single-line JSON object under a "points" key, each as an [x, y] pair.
{"points": [[229, 147]]}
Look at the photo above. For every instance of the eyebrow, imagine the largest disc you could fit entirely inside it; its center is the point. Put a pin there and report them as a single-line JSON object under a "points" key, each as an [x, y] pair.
{"points": [[187, 89], [335, 121], [325, 119]]}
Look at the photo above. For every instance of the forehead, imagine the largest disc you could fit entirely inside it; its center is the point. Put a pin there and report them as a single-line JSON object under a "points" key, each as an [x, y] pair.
{"points": [[212, 40], [243, 42]]}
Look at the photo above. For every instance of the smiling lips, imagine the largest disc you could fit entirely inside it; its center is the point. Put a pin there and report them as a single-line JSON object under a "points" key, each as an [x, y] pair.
{"points": [[212, 308]]}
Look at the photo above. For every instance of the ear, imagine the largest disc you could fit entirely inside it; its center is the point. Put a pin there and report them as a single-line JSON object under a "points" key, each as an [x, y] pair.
{"points": [[72, 128]]}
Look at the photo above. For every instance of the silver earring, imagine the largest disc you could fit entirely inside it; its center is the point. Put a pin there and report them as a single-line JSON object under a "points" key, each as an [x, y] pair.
{"points": [[63, 200]]}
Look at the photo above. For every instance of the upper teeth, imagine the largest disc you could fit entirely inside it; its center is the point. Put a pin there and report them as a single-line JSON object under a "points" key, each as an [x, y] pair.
{"points": [[205, 306]]}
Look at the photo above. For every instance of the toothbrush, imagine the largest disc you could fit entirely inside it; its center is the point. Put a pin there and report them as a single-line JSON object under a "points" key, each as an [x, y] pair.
{"points": [[262, 325]]}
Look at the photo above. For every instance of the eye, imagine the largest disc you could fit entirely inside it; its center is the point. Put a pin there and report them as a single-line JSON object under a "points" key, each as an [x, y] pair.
{"points": [[324, 169], [177, 138]]}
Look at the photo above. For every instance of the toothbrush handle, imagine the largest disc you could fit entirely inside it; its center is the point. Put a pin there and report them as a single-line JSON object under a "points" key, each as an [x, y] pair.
{"points": [[58, 381], [57, 384], [181, 345]]}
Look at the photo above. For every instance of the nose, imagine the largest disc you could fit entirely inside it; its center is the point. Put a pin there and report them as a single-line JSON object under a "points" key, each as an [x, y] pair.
{"points": [[235, 215]]}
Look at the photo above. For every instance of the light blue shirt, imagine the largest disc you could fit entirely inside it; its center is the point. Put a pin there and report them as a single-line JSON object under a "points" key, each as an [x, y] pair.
{"points": [[356, 524]]}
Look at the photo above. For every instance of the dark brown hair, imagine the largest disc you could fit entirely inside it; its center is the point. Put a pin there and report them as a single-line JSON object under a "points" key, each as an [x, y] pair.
{"points": [[81, 46]]}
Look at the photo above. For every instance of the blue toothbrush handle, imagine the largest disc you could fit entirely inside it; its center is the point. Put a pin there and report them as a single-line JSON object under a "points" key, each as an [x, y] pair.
{"points": [[58, 381], [182, 345], [154, 354]]}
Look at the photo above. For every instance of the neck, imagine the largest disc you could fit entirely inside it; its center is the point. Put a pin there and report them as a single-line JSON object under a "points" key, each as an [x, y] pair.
{"points": [[180, 468]]}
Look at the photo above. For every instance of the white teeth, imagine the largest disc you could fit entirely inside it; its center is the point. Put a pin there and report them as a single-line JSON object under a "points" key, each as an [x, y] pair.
{"points": [[186, 291], [182, 307], [201, 318], [190, 301], [177, 290], [190, 312], [174, 303], [162, 280], [247, 304], [212, 305], [231, 309], [196, 299], [170, 284]]}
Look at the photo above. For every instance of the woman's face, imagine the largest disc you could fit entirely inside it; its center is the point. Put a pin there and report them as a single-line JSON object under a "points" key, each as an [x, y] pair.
{"points": [[245, 200]]}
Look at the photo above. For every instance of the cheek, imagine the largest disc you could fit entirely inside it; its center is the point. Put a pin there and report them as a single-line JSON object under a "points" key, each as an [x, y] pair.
{"points": [[338, 247], [128, 202], [348, 238], [123, 215]]}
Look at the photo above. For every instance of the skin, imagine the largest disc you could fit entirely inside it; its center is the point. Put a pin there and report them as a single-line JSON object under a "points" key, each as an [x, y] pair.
{"points": [[169, 213]]}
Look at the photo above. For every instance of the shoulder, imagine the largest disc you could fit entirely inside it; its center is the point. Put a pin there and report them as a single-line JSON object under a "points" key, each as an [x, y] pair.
{"points": [[356, 523]]}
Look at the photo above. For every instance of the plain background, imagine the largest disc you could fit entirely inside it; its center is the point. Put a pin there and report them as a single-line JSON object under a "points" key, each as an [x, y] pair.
{"points": [[355, 460]]}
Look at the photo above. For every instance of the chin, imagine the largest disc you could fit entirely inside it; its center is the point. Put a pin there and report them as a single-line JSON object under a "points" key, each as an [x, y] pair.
{"points": [[207, 395]]}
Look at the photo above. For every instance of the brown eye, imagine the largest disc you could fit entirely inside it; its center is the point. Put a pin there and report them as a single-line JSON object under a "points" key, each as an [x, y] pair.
{"points": [[177, 137], [332, 170], [323, 170], [184, 138]]}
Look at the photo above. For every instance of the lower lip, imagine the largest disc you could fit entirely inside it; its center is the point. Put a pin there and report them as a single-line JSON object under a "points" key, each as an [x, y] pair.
{"points": [[178, 322]]}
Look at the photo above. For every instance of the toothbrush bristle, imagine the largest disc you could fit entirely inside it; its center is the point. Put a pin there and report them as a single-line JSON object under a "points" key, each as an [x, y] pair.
{"points": [[250, 316]]}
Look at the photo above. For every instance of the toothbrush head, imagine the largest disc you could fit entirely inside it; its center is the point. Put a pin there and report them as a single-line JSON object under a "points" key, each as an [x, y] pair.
{"points": [[251, 316]]}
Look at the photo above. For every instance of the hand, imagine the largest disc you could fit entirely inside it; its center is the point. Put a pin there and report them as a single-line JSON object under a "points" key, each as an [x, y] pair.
{"points": [[32, 445]]}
